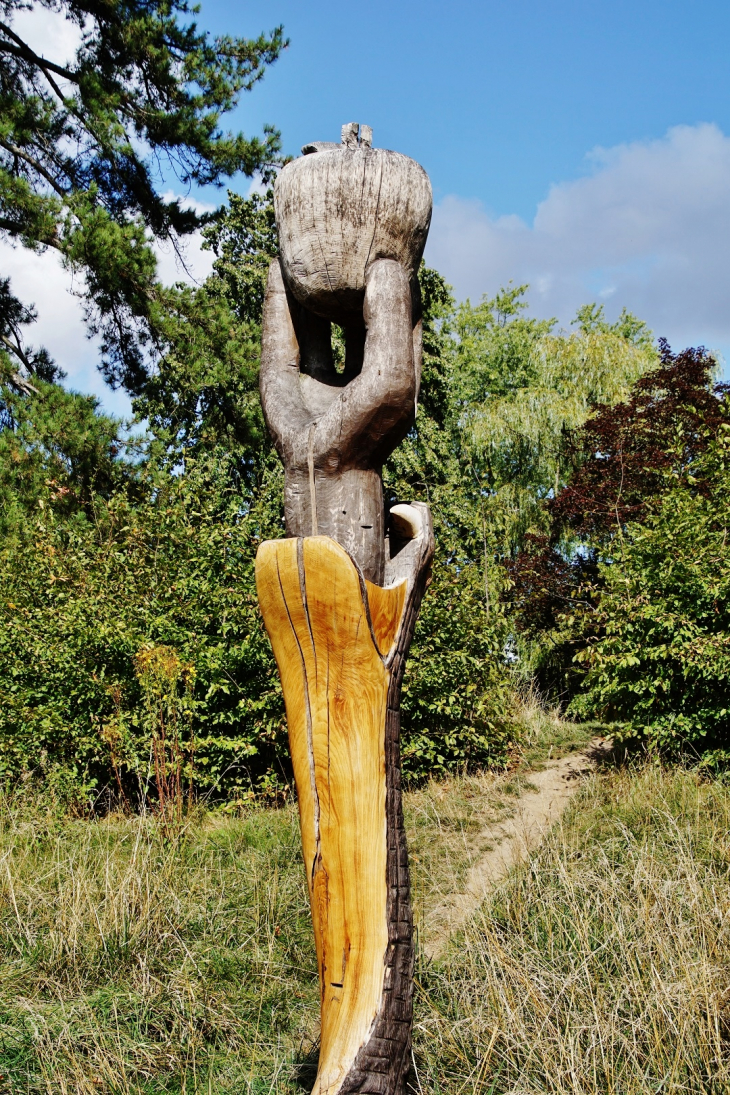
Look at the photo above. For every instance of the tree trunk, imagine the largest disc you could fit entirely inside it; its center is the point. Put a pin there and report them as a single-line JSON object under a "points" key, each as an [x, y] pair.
{"points": [[340, 596], [340, 644]]}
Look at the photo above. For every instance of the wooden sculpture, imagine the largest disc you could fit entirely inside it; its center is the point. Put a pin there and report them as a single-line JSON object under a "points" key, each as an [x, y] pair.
{"points": [[340, 596]]}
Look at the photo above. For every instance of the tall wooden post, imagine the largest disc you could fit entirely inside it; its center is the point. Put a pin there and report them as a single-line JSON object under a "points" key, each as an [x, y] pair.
{"points": [[341, 595]]}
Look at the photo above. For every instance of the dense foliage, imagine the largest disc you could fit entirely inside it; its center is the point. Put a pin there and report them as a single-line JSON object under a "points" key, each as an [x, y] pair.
{"points": [[523, 387], [457, 690], [171, 570], [658, 650], [135, 547], [630, 588], [577, 479]]}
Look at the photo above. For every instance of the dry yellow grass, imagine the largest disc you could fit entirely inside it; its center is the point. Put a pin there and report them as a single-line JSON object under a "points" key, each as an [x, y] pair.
{"points": [[603, 966], [133, 964], [130, 964]]}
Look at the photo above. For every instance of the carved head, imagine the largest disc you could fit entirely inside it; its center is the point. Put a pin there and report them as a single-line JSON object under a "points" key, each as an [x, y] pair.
{"points": [[341, 207]]}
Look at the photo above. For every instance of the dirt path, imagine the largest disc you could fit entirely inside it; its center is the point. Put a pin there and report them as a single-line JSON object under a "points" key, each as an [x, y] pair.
{"points": [[543, 799]]}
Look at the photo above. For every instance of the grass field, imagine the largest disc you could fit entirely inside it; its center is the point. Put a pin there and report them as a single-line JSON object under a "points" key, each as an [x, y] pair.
{"points": [[134, 964]]}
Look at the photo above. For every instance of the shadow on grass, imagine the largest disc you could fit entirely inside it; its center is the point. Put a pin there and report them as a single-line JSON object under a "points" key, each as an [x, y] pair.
{"points": [[304, 1072]]}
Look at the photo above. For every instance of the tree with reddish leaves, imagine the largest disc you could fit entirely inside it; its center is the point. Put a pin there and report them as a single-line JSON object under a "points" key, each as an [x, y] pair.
{"points": [[626, 458], [627, 452]]}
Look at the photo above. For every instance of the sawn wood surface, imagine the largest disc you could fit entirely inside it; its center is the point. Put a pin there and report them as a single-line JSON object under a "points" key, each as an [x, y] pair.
{"points": [[340, 645]]}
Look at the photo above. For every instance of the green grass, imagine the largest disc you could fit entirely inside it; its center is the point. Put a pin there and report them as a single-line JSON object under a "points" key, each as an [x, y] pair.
{"points": [[543, 735], [133, 965]]}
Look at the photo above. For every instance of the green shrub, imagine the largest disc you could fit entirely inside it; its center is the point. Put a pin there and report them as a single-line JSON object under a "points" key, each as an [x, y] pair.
{"points": [[85, 598], [659, 655]]}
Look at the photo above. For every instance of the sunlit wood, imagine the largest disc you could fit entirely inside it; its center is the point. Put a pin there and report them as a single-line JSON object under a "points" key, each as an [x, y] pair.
{"points": [[341, 596], [335, 686]]}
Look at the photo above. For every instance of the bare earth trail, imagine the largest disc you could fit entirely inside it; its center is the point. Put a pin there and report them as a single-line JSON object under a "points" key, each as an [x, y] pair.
{"points": [[543, 798]]}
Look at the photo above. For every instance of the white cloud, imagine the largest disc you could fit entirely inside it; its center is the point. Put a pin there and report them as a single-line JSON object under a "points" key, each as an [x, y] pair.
{"points": [[49, 33], [192, 264], [648, 228], [42, 280]]}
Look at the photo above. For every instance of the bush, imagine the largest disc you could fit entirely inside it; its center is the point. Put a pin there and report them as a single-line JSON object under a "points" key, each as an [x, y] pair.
{"points": [[630, 589], [91, 605], [93, 595], [659, 656]]}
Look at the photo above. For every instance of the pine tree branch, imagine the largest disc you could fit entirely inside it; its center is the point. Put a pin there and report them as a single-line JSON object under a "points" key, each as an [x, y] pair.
{"points": [[15, 378], [16, 229], [23, 50], [35, 164]]}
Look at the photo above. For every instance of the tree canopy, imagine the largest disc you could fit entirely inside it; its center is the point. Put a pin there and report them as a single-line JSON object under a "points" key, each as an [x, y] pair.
{"points": [[577, 479], [625, 593], [523, 386], [89, 147]]}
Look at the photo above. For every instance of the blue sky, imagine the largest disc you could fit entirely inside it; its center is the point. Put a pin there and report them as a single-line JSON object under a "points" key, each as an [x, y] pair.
{"points": [[581, 147], [497, 100]]}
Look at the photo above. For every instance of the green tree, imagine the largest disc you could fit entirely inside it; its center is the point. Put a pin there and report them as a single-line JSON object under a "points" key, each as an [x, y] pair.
{"points": [[524, 387], [657, 653], [88, 147], [82, 600], [629, 592], [204, 391], [651, 499], [59, 442], [457, 688]]}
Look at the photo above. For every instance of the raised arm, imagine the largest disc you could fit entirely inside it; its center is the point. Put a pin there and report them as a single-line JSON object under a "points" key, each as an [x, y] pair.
{"points": [[281, 398], [375, 411]]}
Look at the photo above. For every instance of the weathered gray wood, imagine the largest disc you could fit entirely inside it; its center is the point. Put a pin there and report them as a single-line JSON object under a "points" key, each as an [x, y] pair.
{"points": [[342, 209], [333, 431], [350, 133]]}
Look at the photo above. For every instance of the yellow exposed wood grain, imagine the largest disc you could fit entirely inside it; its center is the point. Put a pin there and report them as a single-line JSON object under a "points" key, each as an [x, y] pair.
{"points": [[386, 609], [335, 687]]}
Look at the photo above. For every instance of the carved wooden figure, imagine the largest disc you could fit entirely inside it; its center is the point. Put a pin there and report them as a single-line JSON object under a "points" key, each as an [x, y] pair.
{"points": [[341, 595]]}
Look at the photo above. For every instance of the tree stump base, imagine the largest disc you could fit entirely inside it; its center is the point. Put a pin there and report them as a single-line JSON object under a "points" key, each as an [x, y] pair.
{"points": [[340, 644]]}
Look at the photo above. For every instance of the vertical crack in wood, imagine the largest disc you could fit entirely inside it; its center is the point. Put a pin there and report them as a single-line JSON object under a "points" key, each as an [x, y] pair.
{"points": [[352, 227], [307, 704], [312, 483], [347, 723]]}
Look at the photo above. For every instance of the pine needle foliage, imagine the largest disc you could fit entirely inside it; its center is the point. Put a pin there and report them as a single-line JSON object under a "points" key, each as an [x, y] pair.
{"points": [[89, 146]]}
